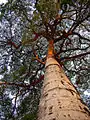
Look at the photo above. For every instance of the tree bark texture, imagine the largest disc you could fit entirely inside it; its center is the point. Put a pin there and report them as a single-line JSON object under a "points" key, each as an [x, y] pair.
{"points": [[59, 99]]}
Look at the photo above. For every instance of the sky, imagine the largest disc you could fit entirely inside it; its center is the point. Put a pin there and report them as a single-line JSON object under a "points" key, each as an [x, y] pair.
{"points": [[86, 92], [3, 1]]}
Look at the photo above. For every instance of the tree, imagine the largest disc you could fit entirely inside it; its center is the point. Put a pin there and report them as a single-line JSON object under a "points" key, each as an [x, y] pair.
{"points": [[26, 31], [59, 100]]}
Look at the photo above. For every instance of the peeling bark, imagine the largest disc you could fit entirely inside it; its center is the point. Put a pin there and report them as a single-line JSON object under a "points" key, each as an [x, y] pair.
{"points": [[50, 49]]}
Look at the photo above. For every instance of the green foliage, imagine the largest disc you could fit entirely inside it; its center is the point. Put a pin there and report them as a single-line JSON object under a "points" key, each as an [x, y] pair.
{"points": [[2, 10], [29, 117], [22, 69], [29, 105], [3, 70], [22, 62], [16, 75], [2, 14], [27, 37], [66, 1], [5, 105], [47, 9]]}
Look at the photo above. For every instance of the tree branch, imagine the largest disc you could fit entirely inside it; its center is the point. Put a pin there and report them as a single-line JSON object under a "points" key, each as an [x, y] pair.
{"points": [[23, 85], [73, 57], [9, 42], [37, 58], [74, 33]]}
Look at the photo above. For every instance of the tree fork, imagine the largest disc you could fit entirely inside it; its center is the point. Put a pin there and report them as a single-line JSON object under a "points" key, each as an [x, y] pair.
{"points": [[59, 99]]}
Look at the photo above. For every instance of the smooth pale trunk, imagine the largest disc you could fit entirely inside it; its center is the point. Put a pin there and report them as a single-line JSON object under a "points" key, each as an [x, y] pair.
{"points": [[59, 99]]}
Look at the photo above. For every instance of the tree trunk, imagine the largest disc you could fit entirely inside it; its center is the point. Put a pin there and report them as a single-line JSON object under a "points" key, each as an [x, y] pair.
{"points": [[59, 99]]}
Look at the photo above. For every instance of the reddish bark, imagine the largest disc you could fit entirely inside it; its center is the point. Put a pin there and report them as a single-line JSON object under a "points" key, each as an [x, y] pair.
{"points": [[50, 49], [24, 85], [36, 35], [76, 56], [13, 44]]}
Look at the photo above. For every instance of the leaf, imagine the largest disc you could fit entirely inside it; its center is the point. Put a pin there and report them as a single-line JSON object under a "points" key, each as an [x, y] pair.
{"points": [[29, 117]]}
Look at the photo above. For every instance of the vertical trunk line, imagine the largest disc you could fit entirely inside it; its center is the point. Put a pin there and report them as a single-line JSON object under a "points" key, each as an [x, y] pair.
{"points": [[59, 99], [50, 53]]}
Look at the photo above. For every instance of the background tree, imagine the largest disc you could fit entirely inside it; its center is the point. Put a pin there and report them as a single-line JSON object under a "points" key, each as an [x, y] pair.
{"points": [[24, 29]]}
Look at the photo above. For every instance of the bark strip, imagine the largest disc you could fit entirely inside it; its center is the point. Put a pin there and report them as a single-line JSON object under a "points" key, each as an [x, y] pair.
{"points": [[50, 49]]}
